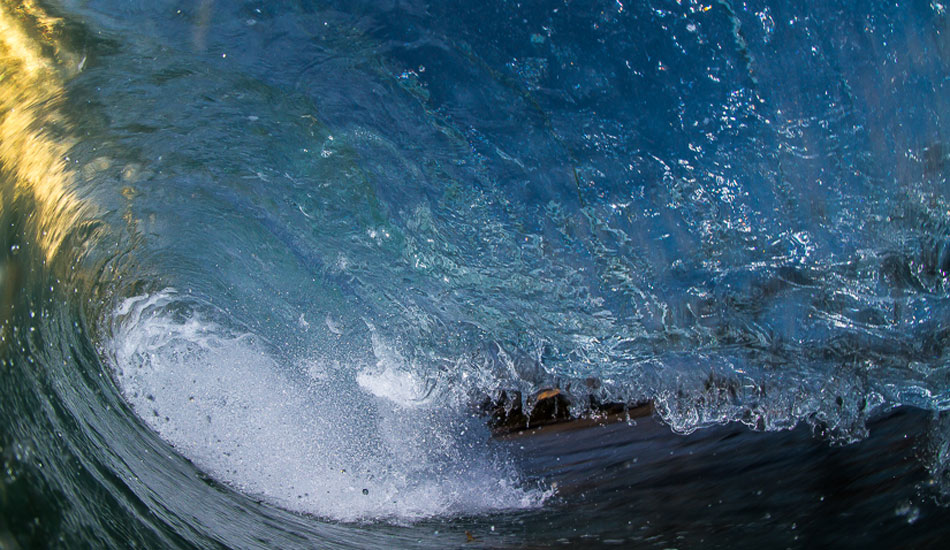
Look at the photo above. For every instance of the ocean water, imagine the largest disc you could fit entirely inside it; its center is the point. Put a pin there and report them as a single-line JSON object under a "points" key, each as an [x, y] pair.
{"points": [[262, 265]]}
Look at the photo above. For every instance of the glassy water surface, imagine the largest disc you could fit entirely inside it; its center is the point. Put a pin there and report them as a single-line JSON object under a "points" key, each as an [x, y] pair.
{"points": [[264, 263]]}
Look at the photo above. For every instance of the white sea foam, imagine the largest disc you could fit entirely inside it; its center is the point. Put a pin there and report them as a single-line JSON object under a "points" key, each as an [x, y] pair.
{"points": [[391, 381], [353, 444]]}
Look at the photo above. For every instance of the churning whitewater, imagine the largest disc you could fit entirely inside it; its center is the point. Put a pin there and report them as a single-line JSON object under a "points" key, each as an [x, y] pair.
{"points": [[313, 438]]}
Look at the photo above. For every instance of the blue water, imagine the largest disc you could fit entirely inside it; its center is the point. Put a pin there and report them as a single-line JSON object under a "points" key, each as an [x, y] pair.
{"points": [[279, 255]]}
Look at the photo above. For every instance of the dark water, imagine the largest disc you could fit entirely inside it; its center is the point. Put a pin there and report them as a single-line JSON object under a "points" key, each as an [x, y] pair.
{"points": [[262, 262]]}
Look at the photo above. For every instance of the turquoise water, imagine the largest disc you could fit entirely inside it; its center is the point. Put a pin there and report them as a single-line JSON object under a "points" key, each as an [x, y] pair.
{"points": [[262, 265]]}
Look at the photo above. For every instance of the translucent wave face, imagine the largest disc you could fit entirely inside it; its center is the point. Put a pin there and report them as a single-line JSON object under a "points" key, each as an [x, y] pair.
{"points": [[344, 442]]}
